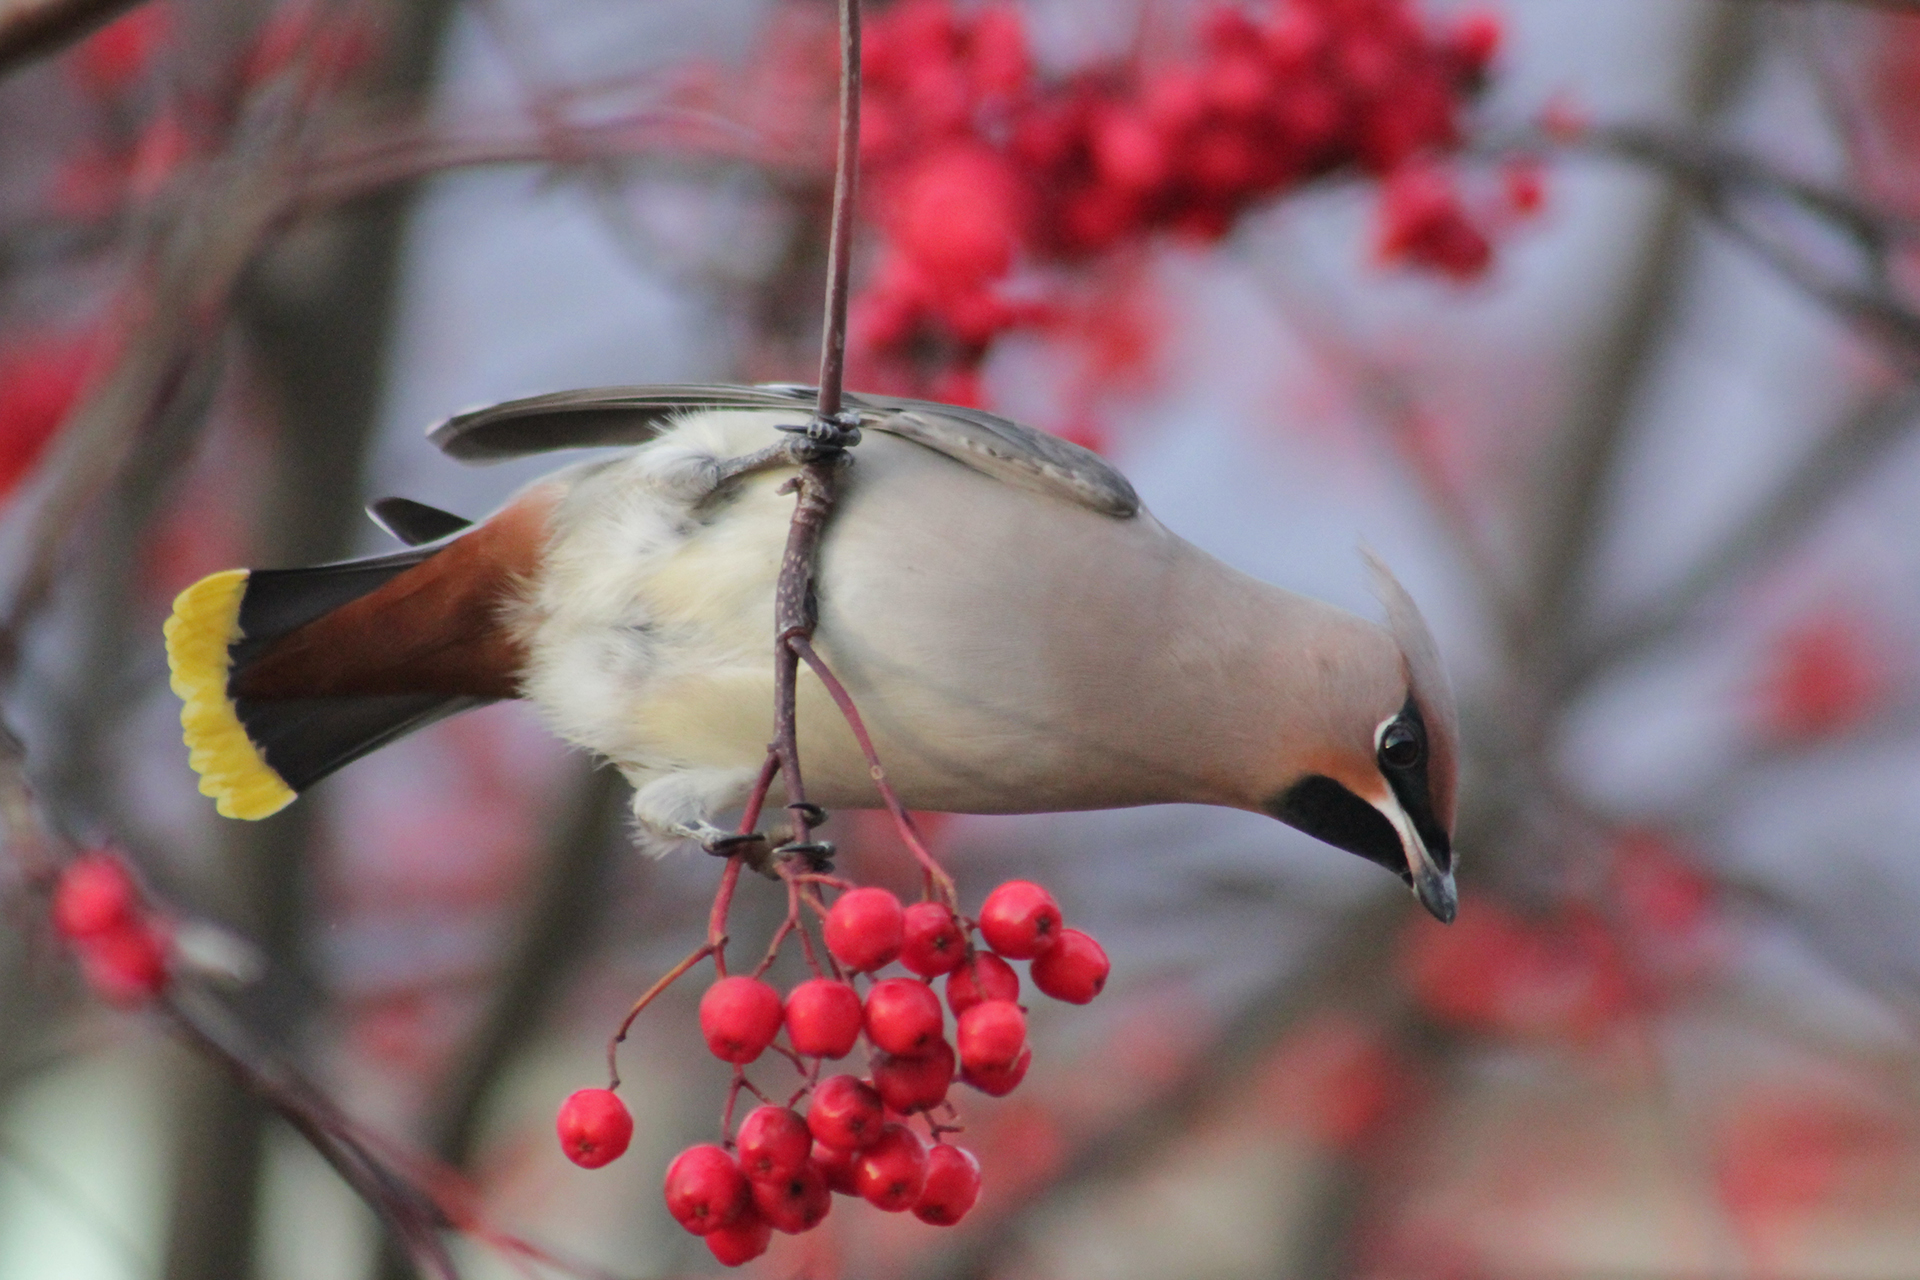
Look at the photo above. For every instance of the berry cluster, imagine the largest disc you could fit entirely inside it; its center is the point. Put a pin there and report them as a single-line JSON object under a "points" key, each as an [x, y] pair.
{"points": [[974, 166], [777, 1172], [122, 945]]}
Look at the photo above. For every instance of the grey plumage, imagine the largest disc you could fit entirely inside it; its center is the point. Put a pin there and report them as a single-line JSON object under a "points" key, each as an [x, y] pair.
{"points": [[1019, 632]]}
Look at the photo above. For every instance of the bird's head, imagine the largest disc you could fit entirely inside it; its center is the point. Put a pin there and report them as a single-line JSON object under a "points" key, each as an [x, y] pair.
{"points": [[1378, 777]]}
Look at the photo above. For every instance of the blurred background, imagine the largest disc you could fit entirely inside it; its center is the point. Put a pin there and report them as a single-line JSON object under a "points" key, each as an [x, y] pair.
{"points": [[1593, 320]]}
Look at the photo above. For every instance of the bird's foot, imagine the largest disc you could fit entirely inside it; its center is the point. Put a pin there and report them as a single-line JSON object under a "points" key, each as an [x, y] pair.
{"points": [[719, 843], [817, 854], [821, 436]]}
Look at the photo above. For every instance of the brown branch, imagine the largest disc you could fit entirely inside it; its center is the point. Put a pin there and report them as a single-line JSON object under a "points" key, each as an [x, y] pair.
{"points": [[846, 173], [1842, 458], [1568, 504], [34, 28]]}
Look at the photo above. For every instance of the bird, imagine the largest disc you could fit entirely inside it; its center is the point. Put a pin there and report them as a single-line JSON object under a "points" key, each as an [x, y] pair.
{"points": [[1019, 632]]}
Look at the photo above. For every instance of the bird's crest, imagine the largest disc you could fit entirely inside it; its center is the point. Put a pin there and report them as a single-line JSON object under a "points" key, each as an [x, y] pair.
{"points": [[1427, 681]]}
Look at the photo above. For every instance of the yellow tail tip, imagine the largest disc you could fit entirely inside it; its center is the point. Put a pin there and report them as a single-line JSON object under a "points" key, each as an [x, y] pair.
{"points": [[204, 626]]}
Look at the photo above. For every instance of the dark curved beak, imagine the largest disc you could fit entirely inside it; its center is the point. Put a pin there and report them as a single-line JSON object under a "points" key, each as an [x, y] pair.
{"points": [[1431, 877], [1435, 890]]}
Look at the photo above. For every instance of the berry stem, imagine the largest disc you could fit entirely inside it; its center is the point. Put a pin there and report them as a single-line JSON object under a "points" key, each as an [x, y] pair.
{"points": [[937, 880], [672, 975]]}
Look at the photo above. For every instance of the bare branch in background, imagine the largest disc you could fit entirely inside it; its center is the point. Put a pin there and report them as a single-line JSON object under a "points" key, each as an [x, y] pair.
{"points": [[1567, 511], [1844, 456]]}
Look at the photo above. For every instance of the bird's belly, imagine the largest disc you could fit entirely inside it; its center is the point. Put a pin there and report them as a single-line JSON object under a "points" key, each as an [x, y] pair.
{"points": [[971, 622]]}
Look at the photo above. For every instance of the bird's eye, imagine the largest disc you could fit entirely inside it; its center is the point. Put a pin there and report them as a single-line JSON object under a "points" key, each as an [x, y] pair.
{"points": [[1400, 745]]}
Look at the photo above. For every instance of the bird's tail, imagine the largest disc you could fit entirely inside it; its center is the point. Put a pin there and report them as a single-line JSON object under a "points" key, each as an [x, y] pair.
{"points": [[286, 675]]}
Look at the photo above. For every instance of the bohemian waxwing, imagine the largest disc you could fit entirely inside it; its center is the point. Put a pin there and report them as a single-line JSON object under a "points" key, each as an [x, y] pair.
{"points": [[1019, 633]]}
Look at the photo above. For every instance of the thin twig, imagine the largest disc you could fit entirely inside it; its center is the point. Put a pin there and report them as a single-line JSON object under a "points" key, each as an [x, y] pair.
{"points": [[846, 173], [938, 879]]}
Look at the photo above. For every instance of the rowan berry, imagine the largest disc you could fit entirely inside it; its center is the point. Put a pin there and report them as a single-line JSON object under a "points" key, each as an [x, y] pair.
{"points": [[706, 1190], [845, 1113], [836, 1166], [95, 895], [982, 976], [742, 1240], [774, 1143], [824, 1018], [998, 1084], [992, 1034], [953, 1184], [914, 1084], [904, 1016], [126, 966], [932, 942], [864, 929], [1476, 40], [740, 1017], [794, 1203], [1020, 919], [892, 1173], [1074, 969], [594, 1127]]}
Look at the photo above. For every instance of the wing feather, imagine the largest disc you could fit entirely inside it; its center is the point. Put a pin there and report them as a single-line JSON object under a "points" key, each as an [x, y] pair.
{"points": [[609, 416]]}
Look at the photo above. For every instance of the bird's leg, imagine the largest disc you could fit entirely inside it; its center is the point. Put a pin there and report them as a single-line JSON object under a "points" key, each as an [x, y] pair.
{"points": [[817, 440]]}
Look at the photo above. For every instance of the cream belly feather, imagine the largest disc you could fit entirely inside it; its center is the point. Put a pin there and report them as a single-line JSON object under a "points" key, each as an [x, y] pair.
{"points": [[972, 621]]}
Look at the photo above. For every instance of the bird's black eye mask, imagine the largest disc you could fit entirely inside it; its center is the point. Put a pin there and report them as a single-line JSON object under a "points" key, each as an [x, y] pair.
{"points": [[1401, 752], [1326, 810]]}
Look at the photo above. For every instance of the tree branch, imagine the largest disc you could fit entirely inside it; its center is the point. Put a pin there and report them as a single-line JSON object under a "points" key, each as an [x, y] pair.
{"points": [[1846, 454]]}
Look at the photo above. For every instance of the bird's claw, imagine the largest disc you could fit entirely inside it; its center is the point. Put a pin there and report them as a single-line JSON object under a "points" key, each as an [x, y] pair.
{"points": [[726, 844], [817, 854], [813, 813]]}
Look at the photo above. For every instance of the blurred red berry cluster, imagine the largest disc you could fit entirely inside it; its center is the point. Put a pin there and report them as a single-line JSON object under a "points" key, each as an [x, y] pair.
{"points": [[41, 377], [976, 166], [144, 146], [778, 1171], [122, 944]]}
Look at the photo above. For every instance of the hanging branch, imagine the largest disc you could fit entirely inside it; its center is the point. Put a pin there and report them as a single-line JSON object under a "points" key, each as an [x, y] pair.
{"points": [[821, 450]]}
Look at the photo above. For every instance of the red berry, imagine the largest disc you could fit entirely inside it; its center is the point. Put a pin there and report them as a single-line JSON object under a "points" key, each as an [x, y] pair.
{"points": [[823, 1018], [864, 929], [836, 1166], [96, 895], [739, 1017], [1020, 919], [959, 212], [594, 1127], [116, 55], [992, 1034], [998, 1084], [795, 1203], [914, 1084], [984, 976], [741, 1241], [1476, 40], [953, 1184], [845, 1113], [706, 1190], [932, 943], [892, 1172], [774, 1144], [904, 1016], [1073, 969], [128, 965]]}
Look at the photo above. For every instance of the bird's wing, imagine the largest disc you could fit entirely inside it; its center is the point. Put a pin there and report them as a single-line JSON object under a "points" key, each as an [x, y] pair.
{"points": [[598, 417], [1006, 450], [594, 417]]}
